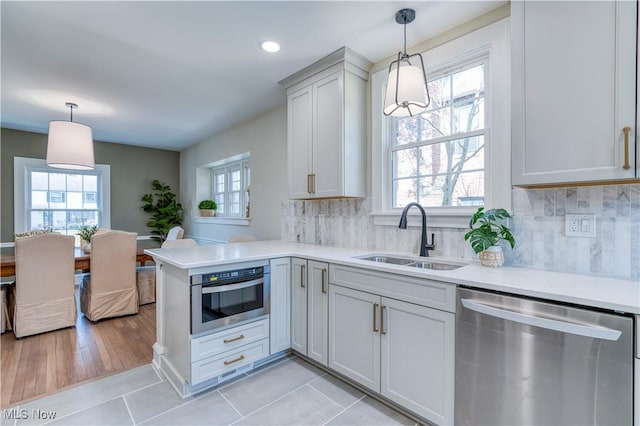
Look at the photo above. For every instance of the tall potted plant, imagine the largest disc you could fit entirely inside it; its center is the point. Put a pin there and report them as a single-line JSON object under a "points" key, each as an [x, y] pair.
{"points": [[165, 210], [486, 231]]}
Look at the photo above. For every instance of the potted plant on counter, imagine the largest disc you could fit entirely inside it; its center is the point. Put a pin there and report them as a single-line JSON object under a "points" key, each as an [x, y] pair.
{"points": [[486, 231], [207, 208], [85, 232]]}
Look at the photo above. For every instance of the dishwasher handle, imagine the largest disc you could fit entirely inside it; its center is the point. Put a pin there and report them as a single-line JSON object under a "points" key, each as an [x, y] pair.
{"points": [[551, 324]]}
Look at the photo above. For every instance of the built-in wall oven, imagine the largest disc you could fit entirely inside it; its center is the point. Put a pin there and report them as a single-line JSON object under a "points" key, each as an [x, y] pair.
{"points": [[219, 299]]}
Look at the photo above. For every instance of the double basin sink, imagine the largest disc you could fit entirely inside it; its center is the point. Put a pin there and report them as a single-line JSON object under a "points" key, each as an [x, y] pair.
{"points": [[414, 263]]}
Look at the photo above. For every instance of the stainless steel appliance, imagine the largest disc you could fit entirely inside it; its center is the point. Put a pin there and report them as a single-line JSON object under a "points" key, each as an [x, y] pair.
{"points": [[220, 299], [528, 362]]}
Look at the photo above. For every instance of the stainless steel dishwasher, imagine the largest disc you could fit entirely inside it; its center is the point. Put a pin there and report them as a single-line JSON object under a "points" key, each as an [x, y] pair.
{"points": [[527, 362]]}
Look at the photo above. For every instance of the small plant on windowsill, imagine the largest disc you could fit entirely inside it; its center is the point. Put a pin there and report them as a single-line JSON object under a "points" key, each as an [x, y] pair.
{"points": [[485, 237], [85, 232], [207, 208]]}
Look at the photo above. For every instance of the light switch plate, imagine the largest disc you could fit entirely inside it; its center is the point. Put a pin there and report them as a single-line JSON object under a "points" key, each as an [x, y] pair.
{"points": [[580, 225]]}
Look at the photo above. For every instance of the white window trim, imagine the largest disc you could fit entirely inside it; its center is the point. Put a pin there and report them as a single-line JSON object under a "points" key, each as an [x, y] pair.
{"points": [[206, 188], [21, 167], [494, 41]]}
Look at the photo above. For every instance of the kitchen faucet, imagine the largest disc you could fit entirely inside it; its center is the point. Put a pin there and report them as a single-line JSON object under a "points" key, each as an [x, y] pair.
{"points": [[424, 246]]}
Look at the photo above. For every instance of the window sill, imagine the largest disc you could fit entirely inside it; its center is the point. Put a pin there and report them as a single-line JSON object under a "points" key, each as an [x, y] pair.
{"points": [[236, 221], [445, 218]]}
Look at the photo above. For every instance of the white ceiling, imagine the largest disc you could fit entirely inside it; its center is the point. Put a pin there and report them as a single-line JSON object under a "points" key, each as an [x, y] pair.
{"points": [[169, 74]]}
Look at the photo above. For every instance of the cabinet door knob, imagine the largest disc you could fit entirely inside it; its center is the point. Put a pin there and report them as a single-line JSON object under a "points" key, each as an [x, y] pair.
{"points": [[626, 131]]}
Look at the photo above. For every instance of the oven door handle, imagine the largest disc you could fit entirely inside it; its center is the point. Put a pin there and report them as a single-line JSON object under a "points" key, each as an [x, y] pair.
{"points": [[231, 287]]}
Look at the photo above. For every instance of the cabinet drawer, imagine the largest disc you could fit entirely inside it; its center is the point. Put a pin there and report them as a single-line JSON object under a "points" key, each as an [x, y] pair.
{"points": [[209, 368], [434, 294], [217, 343]]}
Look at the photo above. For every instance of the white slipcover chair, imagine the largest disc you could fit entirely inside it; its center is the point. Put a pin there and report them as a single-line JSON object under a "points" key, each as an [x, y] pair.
{"points": [[175, 233], [110, 289], [45, 285], [186, 242]]}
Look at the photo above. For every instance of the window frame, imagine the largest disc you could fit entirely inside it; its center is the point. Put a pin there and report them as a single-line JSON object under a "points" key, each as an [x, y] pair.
{"points": [[446, 71], [243, 167], [22, 192], [491, 41]]}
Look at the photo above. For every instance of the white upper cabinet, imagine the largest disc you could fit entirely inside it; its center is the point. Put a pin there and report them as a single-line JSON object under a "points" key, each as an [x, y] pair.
{"points": [[574, 71], [326, 104]]}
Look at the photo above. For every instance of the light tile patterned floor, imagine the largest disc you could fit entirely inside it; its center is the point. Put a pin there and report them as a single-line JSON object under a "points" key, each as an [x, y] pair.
{"points": [[287, 392]]}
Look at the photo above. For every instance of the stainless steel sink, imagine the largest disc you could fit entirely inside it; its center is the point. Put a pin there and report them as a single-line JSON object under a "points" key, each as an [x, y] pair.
{"points": [[414, 263], [386, 259], [437, 266]]}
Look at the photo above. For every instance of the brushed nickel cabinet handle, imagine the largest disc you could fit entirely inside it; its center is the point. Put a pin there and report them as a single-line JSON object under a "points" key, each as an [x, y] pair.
{"points": [[240, 358], [313, 183], [382, 330], [324, 280], [235, 339], [302, 276], [375, 320], [309, 184], [626, 131]]}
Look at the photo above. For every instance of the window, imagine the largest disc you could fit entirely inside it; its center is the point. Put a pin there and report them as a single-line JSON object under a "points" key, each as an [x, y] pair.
{"points": [[58, 199], [230, 188], [438, 157], [455, 156]]}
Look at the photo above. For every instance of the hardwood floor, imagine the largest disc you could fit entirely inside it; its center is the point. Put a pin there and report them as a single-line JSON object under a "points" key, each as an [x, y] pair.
{"points": [[37, 365]]}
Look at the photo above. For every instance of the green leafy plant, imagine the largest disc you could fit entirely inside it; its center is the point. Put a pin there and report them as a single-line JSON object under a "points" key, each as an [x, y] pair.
{"points": [[490, 230], [85, 232], [207, 205], [165, 210]]}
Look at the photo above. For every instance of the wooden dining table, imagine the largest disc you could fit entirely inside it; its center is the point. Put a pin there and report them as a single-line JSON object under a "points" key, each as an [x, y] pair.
{"points": [[83, 263]]}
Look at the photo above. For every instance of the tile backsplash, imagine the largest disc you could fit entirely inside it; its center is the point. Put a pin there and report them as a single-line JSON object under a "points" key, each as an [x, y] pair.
{"points": [[538, 227]]}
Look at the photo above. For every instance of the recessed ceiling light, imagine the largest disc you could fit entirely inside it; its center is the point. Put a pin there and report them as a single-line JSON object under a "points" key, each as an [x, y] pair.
{"points": [[270, 46]]}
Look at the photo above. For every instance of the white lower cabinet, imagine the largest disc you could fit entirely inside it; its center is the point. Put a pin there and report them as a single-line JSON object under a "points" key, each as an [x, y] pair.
{"points": [[318, 312], [310, 309], [280, 305], [354, 335], [418, 359], [401, 350], [221, 353]]}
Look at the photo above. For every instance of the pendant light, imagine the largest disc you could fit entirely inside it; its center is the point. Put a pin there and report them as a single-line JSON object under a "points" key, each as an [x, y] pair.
{"points": [[70, 145], [407, 90]]}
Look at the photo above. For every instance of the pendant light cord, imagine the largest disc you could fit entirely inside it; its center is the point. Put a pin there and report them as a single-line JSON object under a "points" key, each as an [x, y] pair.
{"points": [[405, 36], [71, 113]]}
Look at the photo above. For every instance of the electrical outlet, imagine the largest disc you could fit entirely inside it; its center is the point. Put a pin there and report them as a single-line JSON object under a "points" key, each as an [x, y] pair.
{"points": [[580, 225]]}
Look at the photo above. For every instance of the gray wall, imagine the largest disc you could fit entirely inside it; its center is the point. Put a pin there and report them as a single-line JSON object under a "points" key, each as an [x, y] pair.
{"points": [[265, 137], [132, 170]]}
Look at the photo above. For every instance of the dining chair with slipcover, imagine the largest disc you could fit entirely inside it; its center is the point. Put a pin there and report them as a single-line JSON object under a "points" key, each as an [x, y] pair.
{"points": [[110, 289], [175, 233], [44, 294], [185, 242]]}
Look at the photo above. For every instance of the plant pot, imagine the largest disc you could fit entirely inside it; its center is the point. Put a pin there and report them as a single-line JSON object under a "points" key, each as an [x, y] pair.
{"points": [[207, 212], [86, 248], [492, 257]]}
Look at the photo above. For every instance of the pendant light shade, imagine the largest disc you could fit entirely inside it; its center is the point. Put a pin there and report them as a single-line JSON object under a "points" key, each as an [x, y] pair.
{"points": [[70, 145], [407, 90]]}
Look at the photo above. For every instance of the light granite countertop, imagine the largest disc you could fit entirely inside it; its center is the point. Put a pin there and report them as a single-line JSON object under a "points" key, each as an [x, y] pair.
{"points": [[588, 290]]}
